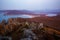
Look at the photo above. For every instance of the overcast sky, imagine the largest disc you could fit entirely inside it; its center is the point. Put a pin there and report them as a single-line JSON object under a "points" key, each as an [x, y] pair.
{"points": [[29, 4]]}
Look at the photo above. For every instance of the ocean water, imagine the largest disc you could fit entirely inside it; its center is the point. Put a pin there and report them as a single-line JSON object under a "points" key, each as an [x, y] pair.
{"points": [[51, 15], [6, 17]]}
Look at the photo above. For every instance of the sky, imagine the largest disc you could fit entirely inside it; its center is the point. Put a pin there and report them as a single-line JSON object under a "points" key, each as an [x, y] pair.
{"points": [[29, 4]]}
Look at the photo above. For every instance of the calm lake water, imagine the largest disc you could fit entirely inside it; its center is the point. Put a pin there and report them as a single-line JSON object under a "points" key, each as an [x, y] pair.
{"points": [[6, 17]]}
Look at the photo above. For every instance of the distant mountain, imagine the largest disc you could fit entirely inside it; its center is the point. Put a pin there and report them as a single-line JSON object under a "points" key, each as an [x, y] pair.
{"points": [[17, 12], [57, 10], [37, 12]]}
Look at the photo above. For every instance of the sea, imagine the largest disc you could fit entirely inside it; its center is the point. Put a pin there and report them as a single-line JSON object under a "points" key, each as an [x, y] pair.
{"points": [[6, 17]]}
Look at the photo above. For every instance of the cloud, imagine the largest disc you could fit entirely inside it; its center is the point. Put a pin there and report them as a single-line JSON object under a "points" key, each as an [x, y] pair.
{"points": [[29, 4]]}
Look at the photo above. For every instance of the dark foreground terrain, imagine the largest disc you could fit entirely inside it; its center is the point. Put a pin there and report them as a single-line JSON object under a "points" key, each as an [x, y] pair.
{"points": [[38, 28]]}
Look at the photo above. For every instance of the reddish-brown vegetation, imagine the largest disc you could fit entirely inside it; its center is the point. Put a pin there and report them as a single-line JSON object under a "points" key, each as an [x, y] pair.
{"points": [[14, 27]]}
